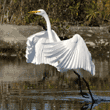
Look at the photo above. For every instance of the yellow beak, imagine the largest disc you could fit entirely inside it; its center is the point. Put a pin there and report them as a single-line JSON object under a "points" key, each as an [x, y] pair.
{"points": [[33, 12]]}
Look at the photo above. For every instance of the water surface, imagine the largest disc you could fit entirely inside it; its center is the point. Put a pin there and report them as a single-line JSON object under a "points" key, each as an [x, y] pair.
{"points": [[23, 97]]}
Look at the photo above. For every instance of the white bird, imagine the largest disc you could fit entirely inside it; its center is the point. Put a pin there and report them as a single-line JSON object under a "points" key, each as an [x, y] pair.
{"points": [[71, 54], [35, 47], [46, 47]]}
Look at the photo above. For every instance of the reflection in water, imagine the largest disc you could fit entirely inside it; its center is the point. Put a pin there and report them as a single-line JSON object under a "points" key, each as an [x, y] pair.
{"points": [[102, 67], [58, 102], [14, 69], [47, 106]]}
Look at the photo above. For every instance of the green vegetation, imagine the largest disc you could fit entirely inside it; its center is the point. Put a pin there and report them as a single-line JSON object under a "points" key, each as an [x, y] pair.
{"points": [[61, 12], [88, 12], [92, 13]]}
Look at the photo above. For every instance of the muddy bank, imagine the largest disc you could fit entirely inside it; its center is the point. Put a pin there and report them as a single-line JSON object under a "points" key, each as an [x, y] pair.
{"points": [[20, 33], [16, 36]]}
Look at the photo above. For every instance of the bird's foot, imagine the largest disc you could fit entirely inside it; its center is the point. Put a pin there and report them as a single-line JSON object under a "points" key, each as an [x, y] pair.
{"points": [[85, 95]]}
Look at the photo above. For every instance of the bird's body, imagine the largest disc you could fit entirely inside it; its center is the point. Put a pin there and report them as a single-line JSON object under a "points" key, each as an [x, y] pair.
{"points": [[46, 47], [72, 54], [35, 47], [34, 50]]}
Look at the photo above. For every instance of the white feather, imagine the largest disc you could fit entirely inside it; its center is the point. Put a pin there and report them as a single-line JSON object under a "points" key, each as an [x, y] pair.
{"points": [[46, 47], [35, 47], [72, 54]]}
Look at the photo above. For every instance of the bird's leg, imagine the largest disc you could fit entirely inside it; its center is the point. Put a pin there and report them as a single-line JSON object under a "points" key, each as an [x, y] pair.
{"points": [[89, 89], [45, 76], [86, 85], [79, 84]]}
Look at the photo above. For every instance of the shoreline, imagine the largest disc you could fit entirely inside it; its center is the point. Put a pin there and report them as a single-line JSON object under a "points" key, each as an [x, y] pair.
{"points": [[7, 29], [17, 35]]}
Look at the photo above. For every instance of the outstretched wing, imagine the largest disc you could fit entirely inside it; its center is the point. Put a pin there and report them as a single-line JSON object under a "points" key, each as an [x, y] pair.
{"points": [[31, 41], [34, 49], [71, 54]]}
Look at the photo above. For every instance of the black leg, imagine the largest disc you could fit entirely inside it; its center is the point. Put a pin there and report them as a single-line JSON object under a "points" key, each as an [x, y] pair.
{"points": [[88, 89], [44, 77], [85, 95], [86, 85], [79, 84]]}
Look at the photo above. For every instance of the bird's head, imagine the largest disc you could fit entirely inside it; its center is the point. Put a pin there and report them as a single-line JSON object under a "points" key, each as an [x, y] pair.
{"points": [[38, 12]]}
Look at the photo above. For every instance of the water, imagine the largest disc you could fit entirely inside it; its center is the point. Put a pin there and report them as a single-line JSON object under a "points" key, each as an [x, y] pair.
{"points": [[13, 69], [51, 102]]}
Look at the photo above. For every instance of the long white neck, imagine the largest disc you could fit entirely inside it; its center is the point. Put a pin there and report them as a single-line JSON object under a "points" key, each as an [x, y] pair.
{"points": [[49, 28]]}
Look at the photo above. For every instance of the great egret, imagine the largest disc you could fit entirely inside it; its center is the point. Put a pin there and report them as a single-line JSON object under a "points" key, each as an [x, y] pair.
{"points": [[46, 47], [34, 50]]}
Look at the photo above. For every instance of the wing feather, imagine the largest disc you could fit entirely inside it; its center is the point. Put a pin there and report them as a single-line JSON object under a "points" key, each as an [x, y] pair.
{"points": [[61, 55], [70, 59], [67, 60], [55, 53], [76, 54], [74, 61], [64, 59], [55, 50], [35, 48]]}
